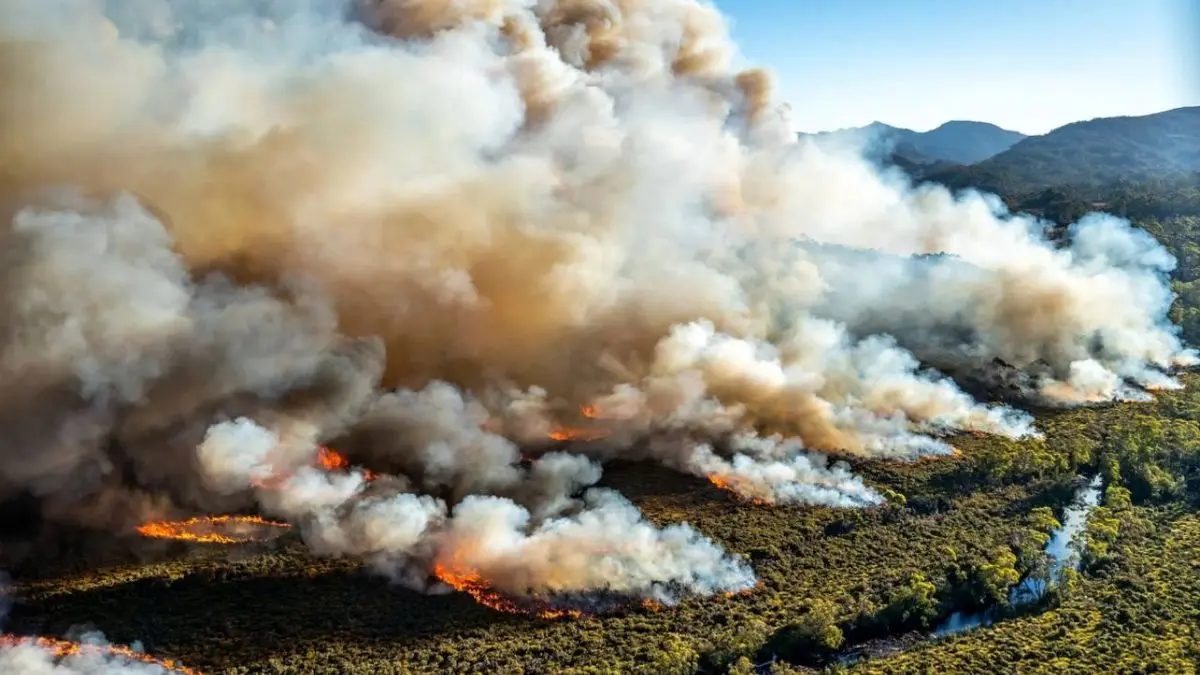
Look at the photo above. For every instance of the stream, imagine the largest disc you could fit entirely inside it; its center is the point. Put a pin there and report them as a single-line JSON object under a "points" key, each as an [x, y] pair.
{"points": [[1032, 589], [1028, 591]]}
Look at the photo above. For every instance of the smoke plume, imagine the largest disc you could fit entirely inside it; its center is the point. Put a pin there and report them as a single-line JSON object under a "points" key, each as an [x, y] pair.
{"points": [[435, 235]]}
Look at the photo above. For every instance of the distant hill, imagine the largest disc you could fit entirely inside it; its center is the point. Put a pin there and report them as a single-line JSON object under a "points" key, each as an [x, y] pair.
{"points": [[955, 142], [915, 163], [966, 142], [1094, 152]]}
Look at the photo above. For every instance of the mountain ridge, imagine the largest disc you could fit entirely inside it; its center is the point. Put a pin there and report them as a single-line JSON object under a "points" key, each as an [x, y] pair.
{"points": [[1088, 152], [955, 141]]}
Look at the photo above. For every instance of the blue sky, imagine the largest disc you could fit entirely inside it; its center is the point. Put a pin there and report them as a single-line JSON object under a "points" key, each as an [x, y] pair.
{"points": [[1027, 65]]}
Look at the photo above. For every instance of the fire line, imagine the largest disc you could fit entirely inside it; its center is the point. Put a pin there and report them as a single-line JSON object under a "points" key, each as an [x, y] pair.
{"points": [[62, 649], [473, 584], [202, 529]]}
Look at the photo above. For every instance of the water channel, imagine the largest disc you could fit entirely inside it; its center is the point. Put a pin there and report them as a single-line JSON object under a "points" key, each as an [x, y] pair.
{"points": [[1031, 589]]}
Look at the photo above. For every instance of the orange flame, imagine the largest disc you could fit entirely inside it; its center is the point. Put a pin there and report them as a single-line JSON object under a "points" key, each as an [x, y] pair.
{"points": [[730, 486], [327, 459], [473, 584], [332, 460], [744, 592], [200, 529], [61, 649], [567, 433], [577, 434]]}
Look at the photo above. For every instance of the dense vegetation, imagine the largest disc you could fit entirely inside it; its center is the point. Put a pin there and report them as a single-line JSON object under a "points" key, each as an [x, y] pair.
{"points": [[958, 532], [1137, 606]]}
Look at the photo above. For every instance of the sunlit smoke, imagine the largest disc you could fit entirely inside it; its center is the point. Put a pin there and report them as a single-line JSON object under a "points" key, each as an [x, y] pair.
{"points": [[489, 541], [359, 264]]}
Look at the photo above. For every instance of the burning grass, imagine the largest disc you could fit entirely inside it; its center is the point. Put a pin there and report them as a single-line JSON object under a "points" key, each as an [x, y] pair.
{"points": [[64, 649], [730, 485], [228, 529], [583, 433], [215, 529], [574, 607], [566, 434], [473, 584]]}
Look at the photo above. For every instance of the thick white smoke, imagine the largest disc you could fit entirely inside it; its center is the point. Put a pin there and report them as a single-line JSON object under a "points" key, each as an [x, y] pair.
{"points": [[91, 656], [605, 544], [1084, 322], [434, 234]]}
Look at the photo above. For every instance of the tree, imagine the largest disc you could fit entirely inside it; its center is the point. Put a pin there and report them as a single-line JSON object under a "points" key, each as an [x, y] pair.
{"points": [[1103, 526], [1043, 522], [743, 666], [993, 579], [812, 639], [912, 604]]}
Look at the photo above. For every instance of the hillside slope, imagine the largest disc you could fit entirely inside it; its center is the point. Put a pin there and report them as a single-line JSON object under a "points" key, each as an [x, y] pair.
{"points": [[1090, 153]]}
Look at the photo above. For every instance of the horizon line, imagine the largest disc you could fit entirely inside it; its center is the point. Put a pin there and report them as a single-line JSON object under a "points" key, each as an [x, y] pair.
{"points": [[1023, 133]]}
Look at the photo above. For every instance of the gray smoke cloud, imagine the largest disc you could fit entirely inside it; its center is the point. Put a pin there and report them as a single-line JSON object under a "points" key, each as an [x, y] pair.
{"points": [[436, 236]]}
